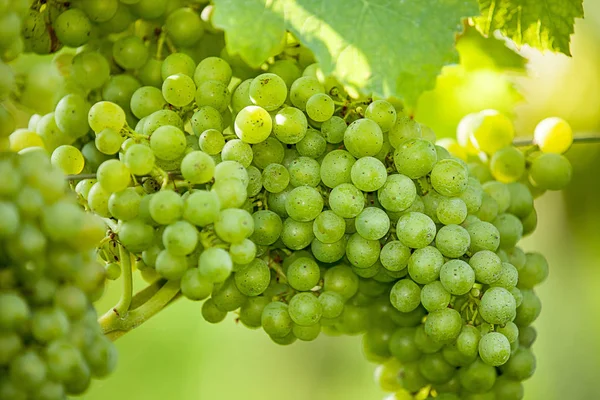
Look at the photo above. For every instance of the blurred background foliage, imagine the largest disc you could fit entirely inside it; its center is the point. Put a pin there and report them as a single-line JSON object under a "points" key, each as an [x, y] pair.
{"points": [[178, 356]]}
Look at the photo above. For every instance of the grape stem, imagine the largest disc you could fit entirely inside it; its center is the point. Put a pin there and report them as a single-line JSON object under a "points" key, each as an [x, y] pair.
{"points": [[149, 301], [522, 142], [125, 301]]}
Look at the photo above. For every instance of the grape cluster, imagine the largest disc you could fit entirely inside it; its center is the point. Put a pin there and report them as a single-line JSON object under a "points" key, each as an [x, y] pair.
{"points": [[276, 196], [50, 342]]}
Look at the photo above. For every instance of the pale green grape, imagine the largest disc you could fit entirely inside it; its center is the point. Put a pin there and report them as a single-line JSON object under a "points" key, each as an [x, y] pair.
{"points": [[383, 113], [449, 177], [72, 28], [304, 204], [124, 205], [130, 52], [398, 193], [320, 107], [268, 152], [68, 158], [197, 167], [184, 27], [166, 207], [372, 223], [394, 256], [275, 178], [415, 158], [231, 192], [179, 90], [207, 118], [168, 143], [507, 164], [553, 135], [214, 94], [363, 138], [302, 89], [212, 69], [139, 159], [290, 125], [491, 131], [313, 144], [211, 141], [113, 175], [333, 129], [304, 171], [550, 171], [346, 200], [457, 277], [452, 241], [146, 100], [231, 170], [201, 208], [451, 211], [71, 115], [104, 114], [403, 130], [328, 227], [108, 141], [253, 124], [415, 230], [268, 91], [237, 150], [336, 168], [368, 174]]}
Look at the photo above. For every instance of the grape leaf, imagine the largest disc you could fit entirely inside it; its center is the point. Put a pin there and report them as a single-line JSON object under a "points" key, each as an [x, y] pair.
{"points": [[254, 29], [543, 24], [381, 47], [480, 52]]}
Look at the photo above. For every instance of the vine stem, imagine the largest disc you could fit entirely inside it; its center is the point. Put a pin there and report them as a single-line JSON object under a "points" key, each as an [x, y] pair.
{"points": [[114, 326], [127, 276], [522, 142]]}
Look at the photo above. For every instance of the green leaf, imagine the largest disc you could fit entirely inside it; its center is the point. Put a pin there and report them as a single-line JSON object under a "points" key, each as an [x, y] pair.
{"points": [[254, 29], [543, 24], [381, 47], [480, 52], [385, 47]]}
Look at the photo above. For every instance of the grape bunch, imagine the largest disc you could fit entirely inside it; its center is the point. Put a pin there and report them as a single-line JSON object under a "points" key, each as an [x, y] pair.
{"points": [[50, 342], [274, 195]]}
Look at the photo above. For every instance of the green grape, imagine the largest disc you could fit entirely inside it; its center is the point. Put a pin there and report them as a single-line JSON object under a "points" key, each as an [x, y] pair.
{"points": [[550, 171], [424, 265], [434, 296], [197, 167], [231, 170], [402, 345], [28, 370], [415, 158], [320, 107], [303, 203], [214, 94], [491, 131], [383, 113], [168, 142], [477, 377], [368, 174], [527, 336], [184, 27], [215, 264], [361, 252], [160, 119], [363, 137], [508, 389], [72, 28], [254, 181], [275, 178], [286, 70], [114, 176], [489, 208], [180, 238], [398, 193], [268, 91], [405, 295], [251, 311], [100, 11], [267, 227], [533, 272], [328, 227], [71, 115], [253, 124], [346, 200], [105, 115], [146, 100], [494, 349], [108, 141], [372, 223], [451, 211], [415, 230], [270, 151], [201, 208], [332, 304], [313, 144], [394, 255], [336, 168], [98, 200], [178, 90], [520, 366], [50, 133], [231, 192], [139, 159], [303, 274], [241, 96], [212, 69], [130, 52], [452, 241], [484, 236], [507, 164], [305, 309], [243, 252], [449, 177], [328, 252], [211, 313], [304, 171], [276, 320], [499, 192], [166, 207], [68, 158], [553, 135], [233, 225], [194, 287], [90, 69], [15, 311], [510, 228], [487, 266], [303, 89], [341, 280], [403, 130], [253, 279], [457, 277], [211, 141], [435, 368], [150, 73], [136, 236], [22, 139], [333, 129], [124, 205], [497, 306], [296, 235], [529, 309], [307, 333]]}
